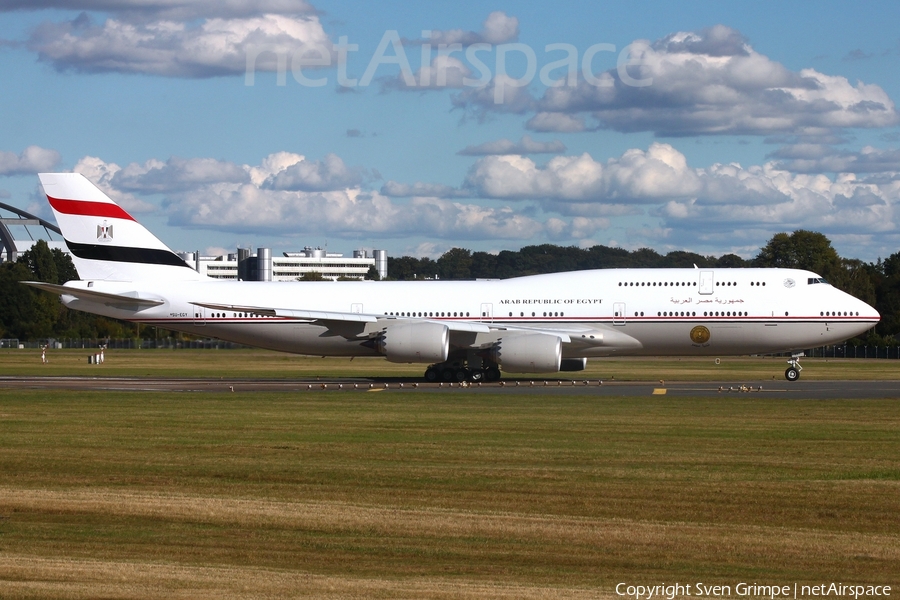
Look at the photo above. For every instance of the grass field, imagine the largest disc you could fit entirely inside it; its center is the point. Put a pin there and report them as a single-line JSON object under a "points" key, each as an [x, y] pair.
{"points": [[216, 364], [409, 494]]}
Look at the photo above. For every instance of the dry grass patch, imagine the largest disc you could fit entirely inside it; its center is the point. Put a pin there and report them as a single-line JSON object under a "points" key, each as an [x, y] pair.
{"points": [[408, 494]]}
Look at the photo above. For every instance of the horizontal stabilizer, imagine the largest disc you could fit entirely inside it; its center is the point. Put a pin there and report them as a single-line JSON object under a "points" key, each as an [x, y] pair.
{"points": [[123, 301]]}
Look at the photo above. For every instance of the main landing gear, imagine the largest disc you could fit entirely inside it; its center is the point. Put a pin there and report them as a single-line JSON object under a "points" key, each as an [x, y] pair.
{"points": [[459, 371], [793, 372]]}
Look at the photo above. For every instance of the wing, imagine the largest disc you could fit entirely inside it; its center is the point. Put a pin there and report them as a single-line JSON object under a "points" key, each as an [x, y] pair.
{"points": [[463, 334], [346, 324]]}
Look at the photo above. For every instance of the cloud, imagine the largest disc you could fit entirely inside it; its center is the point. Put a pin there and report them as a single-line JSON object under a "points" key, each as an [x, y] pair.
{"points": [[176, 10], [651, 194], [819, 158], [33, 159], [697, 203], [287, 194], [102, 174], [526, 145], [315, 176], [345, 213], [443, 72], [710, 82], [172, 48], [637, 176], [498, 28], [176, 174], [433, 190]]}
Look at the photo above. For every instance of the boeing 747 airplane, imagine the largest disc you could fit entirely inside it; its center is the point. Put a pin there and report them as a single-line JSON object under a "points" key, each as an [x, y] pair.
{"points": [[463, 330]]}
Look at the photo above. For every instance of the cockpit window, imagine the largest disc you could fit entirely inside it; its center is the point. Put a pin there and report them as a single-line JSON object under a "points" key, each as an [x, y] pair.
{"points": [[813, 280]]}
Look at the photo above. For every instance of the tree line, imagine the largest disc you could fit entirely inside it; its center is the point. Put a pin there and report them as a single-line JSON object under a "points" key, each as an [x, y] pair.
{"points": [[30, 314]]}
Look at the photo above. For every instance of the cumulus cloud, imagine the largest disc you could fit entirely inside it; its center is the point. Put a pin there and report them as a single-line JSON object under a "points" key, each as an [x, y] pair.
{"points": [[347, 213], [653, 194], [498, 28], [316, 176], [287, 194], [695, 83], [526, 145], [173, 48], [102, 174], [636, 176], [33, 159], [176, 174], [697, 203]]}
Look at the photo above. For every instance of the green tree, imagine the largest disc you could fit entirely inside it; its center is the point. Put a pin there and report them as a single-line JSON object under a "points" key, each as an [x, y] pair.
{"points": [[25, 313], [730, 261], [802, 249], [65, 268], [455, 263], [372, 274], [41, 262], [311, 276]]}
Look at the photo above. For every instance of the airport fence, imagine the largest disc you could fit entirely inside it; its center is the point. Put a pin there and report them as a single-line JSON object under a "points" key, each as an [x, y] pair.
{"points": [[837, 351], [124, 344]]}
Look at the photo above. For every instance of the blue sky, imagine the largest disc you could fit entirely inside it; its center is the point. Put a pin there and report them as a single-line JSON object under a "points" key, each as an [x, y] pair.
{"points": [[702, 126]]}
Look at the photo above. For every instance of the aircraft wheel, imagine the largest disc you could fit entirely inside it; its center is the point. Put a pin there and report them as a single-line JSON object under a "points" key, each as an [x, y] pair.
{"points": [[447, 375], [476, 375], [792, 374], [432, 375], [492, 374], [460, 375]]}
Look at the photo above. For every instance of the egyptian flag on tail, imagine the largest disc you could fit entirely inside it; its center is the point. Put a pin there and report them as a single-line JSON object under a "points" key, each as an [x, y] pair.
{"points": [[105, 241]]}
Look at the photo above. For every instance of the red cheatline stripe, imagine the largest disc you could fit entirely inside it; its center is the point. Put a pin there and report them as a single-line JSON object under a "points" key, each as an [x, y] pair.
{"points": [[89, 209]]}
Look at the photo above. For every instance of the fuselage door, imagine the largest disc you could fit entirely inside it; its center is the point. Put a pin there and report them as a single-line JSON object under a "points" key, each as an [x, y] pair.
{"points": [[199, 315], [487, 313], [618, 313], [706, 282]]}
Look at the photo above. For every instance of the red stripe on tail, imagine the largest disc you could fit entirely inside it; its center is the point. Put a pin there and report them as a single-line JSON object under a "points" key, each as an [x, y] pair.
{"points": [[89, 209]]}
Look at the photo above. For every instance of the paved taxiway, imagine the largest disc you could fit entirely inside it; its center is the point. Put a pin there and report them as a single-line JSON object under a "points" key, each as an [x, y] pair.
{"points": [[811, 390]]}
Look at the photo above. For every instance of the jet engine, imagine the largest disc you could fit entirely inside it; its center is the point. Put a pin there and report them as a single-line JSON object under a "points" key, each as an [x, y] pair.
{"points": [[528, 353], [414, 343]]}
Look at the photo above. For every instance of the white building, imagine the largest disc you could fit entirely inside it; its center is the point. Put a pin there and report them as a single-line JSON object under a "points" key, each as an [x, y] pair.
{"points": [[262, 266]]}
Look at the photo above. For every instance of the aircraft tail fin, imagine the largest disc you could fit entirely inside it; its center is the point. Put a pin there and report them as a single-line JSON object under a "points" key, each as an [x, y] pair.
{"points": [[105, 241]]}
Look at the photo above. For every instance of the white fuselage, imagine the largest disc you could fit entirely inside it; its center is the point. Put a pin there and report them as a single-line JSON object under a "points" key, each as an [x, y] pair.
{"points": [[744, 311]]}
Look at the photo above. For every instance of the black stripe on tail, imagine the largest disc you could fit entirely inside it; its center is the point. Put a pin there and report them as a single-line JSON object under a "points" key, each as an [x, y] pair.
{"points": [[148, 256]]}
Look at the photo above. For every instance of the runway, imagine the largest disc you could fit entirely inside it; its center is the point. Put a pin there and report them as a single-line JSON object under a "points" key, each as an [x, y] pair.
{"points": [[801, 390]]}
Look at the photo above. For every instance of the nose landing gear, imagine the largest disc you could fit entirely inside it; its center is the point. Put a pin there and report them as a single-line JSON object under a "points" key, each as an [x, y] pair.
{"points": [[793, 371]]}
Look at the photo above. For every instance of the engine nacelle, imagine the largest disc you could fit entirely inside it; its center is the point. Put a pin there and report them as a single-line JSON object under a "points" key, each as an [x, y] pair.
{"points": [[528, 353], [573, 364], [414, 343]]}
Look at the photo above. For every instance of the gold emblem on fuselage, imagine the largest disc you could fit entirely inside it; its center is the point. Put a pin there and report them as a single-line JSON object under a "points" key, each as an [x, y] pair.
{"points": [[699, 334]]}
